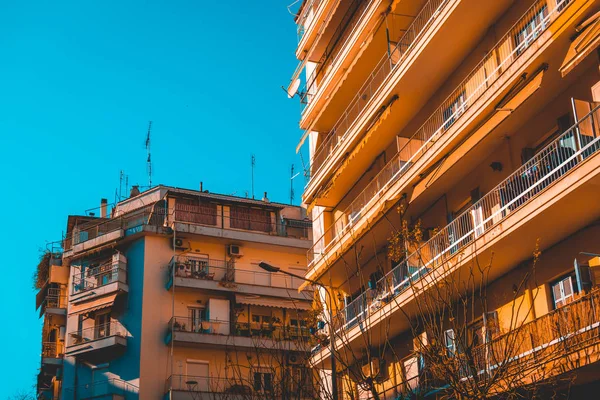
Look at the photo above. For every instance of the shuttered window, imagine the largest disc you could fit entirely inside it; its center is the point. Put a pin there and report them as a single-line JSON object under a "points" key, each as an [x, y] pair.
{"points": [[196, 211], [253, 219]]}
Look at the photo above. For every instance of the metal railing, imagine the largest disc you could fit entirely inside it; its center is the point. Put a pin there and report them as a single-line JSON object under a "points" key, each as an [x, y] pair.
{"points": [[272, 331], [52, 349], [54, 299], [158, 216], [96, 332], [547, 166], [557, 334], [382, 70], [228, 271], [264, 224], [236, 387], [276, 331], [103, 388], [301, 25], [102, 275], [209, 327], [147, 216], [474, 86]]}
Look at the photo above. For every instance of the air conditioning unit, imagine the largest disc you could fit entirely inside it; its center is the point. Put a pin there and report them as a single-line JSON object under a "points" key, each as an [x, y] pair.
{"points": [[234, 250], [295, 359], [372, 369], [180, 244]]}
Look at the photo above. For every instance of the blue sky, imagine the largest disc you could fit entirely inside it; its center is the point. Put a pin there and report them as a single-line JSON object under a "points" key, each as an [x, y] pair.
{"points": [[79, 81]]}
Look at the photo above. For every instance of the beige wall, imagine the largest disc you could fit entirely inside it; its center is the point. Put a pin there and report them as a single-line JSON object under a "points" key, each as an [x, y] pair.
{"points": [[158, 304]]}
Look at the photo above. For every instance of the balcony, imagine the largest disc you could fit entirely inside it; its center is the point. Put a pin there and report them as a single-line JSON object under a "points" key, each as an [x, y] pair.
{"points": [[543, 194], [346, 28], [111, 389], [417, 152], [556, 343], [98, 233], [99, 342], [54, 301], [52, 353], [205, 273], [240, 223], [187, 387], [97, 280], [239, 334]]}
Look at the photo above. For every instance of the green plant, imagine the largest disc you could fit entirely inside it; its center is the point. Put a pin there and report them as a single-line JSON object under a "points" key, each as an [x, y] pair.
{"points": [[42, 271]]}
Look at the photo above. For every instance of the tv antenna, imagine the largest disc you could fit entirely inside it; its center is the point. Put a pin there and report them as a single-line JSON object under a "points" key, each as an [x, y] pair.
{"points": [[149, 159], [292, 176], [123, 179], [253, 163], [306, 169]]}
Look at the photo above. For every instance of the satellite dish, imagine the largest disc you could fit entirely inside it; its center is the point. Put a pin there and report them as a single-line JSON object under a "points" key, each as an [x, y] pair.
{"points": [[293, 89]]}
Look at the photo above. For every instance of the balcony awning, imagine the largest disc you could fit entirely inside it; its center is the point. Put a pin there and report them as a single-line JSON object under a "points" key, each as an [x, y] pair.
{"points": [[41, 295], [587, 41], [273, 302], [94, 305]]}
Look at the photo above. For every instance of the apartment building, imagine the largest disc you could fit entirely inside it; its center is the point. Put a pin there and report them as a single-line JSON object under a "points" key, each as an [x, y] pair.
{"points": [[476, 123], [162, 296], [51, 301]]}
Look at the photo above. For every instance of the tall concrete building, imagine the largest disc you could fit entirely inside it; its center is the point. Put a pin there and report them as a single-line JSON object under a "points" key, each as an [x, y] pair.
{"points": [[161, 296], [475, 123]]}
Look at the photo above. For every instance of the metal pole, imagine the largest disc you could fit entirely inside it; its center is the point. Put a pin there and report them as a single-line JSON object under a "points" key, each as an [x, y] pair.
{"points": [[334, 388]]}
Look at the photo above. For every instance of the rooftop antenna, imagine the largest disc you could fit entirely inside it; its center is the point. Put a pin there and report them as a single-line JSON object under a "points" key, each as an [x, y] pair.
{"points": [[121, 176], [305, 168], [292, 176], [149, 160], [253, 163]]}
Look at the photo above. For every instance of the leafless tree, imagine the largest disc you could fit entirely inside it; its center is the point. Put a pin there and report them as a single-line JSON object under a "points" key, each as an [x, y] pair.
{"points": [[460, 348]]}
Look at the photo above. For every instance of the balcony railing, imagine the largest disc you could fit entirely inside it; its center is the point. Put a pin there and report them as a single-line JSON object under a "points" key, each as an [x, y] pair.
{"points": [[498, 60], [54, 299], [382, 70], [301, 23], [52, 349], [235, 387], [550, 164], [209, 269], [208, 327], [254, 223], [243, 329], [99, 389], [97, 332], [152, 215], [557, 334], [272, 331], [157, 216], [102, 275]]}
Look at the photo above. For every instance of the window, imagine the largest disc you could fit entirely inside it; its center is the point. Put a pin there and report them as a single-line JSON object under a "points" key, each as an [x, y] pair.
{"points": [[102, 325], [563, 291], [485, 329], [454, 110], [263, 381], [199, 266], [196, 316], [450, 342], [196, 211], [531, 30], [253, 219], [261, 319]]}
